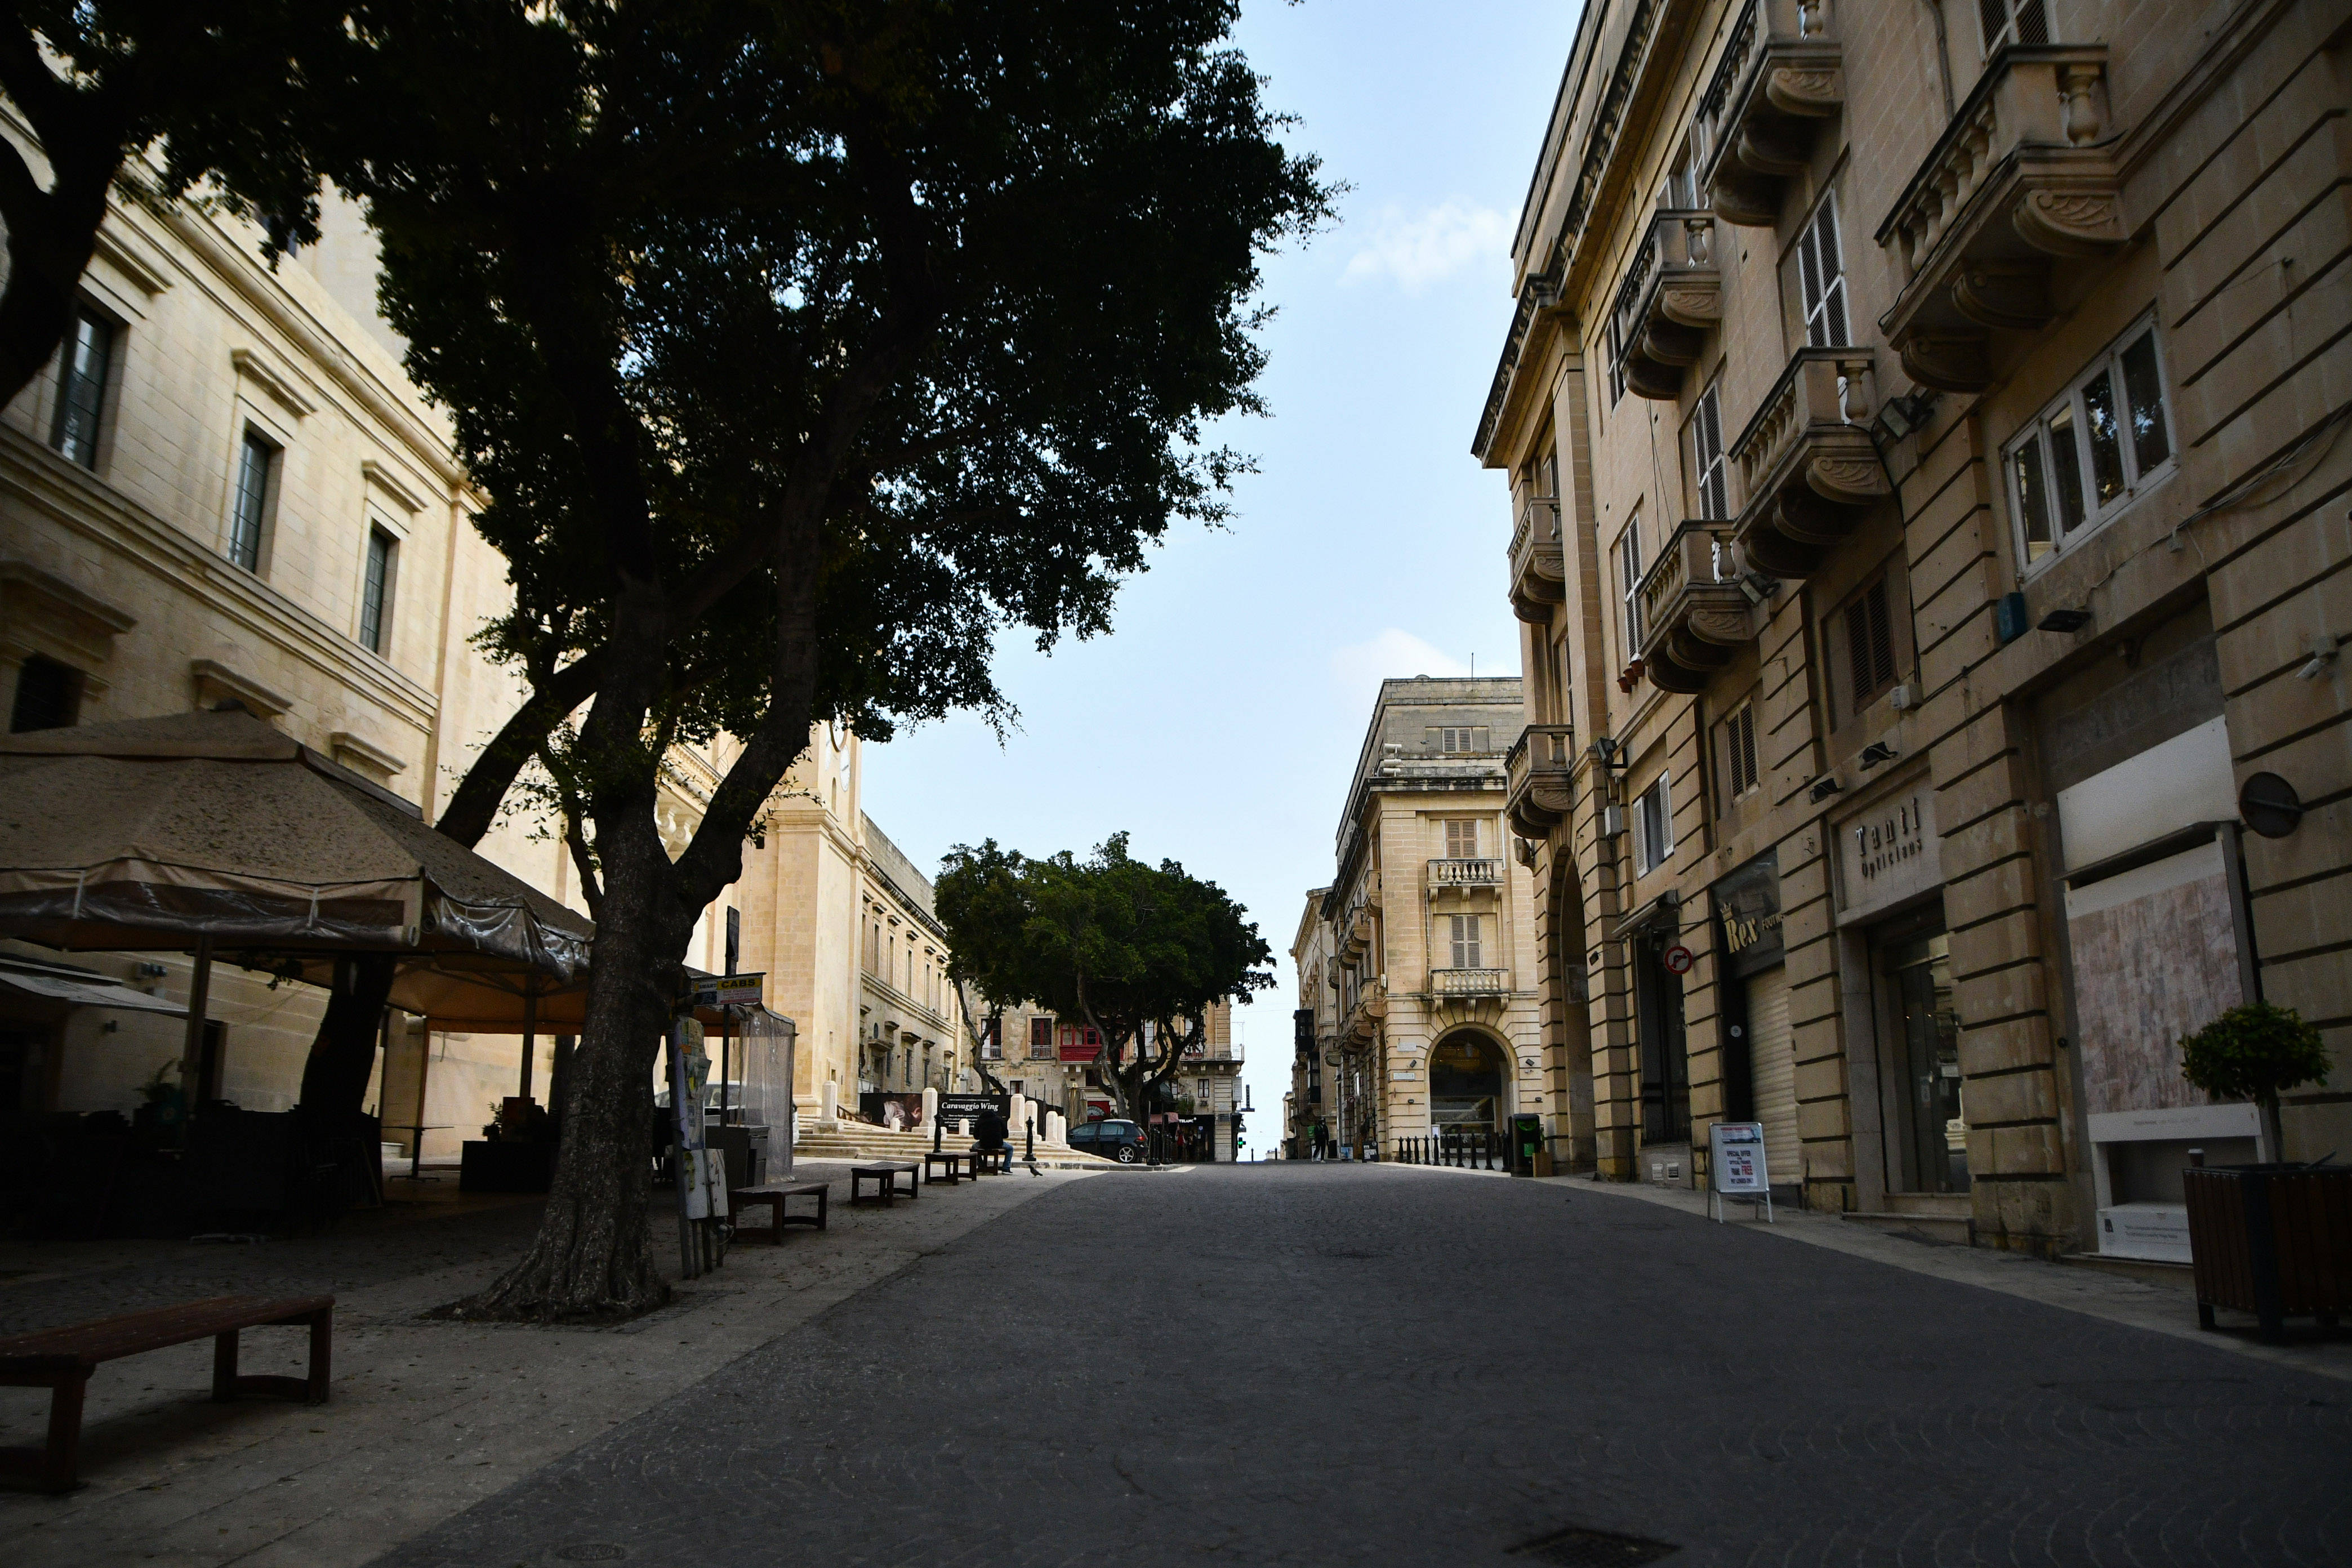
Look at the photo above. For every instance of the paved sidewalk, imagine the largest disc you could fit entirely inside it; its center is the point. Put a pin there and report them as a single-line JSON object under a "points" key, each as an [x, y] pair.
{"points": [[426, 1418], [2078, 1288], [1311, 1365]]}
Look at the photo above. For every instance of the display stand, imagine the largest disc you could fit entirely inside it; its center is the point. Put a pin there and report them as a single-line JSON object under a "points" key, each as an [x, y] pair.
{"points": [[1735, 1167]]}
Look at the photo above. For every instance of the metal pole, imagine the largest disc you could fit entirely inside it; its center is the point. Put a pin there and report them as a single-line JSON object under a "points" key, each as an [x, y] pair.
{"points": [[424, 1067], [529, 1033], [686, 1237]]}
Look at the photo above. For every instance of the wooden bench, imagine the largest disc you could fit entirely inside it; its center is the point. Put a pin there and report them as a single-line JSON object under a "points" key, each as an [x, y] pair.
{"points": [[953, 1160], [998, 1160], [885, 1176], [61, 1359], [776, 1199]]}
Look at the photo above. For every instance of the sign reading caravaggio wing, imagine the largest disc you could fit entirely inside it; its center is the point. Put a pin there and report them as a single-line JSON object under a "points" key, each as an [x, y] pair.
{"points": [[1748, 914]]}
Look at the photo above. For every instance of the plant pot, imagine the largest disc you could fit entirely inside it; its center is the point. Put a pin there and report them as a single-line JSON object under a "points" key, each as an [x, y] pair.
{"points": [[2272, 1240]]}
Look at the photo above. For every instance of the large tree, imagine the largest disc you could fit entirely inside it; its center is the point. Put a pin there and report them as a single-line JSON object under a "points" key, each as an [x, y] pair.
{"points": [[152, 98], [801, 349], [1141, 952]]}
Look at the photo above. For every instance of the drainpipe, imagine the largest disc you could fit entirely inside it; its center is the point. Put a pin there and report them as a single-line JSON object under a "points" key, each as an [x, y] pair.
{"points": [[1943, 53]]}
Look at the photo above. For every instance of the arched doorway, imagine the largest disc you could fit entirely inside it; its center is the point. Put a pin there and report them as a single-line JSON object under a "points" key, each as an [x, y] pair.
{"points": [[1467, 1071]]}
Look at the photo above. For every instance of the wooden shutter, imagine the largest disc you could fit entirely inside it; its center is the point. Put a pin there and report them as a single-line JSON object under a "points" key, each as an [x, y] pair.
{"points": [[1870, 643]]}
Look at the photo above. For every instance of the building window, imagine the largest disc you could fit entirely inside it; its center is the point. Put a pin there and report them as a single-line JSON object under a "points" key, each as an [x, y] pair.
{"points": [[256, 463], [375, 593], [1869, 644], [1821, 268], [1458, 742], [1040, 1036], [1616, 360], [2103, 441], [1462, 931], [1707, 457], [49, 695], [1629, 581], [1654, 826], [1462, 839], [82, 388], [1739, 750], [2012, 22]]}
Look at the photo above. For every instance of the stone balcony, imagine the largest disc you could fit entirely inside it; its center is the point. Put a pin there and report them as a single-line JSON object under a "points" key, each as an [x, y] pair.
{"points": [[1452, 983], [1670, 297], [1694, 615], [1540, 788], [2018, 184], [1808, 472], [1781, 75], [1538, 567], [1465, 875]]}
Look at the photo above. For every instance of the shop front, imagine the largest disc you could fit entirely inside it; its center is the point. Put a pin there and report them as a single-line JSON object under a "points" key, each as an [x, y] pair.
{"points": [[1759, 1062], [1891, 916]]}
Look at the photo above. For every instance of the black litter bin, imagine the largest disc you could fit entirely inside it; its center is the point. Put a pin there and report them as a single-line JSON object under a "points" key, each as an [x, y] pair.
{"points": [[1528, 1152]]}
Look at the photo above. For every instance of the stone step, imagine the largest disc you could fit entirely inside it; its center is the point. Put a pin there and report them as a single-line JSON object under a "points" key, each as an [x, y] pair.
{"points": [[1949, 1229], [1937, 1205]]}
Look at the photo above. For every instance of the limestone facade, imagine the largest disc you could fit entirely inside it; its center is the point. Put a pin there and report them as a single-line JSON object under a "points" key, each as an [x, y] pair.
{"points": [[1923, 430], [1419, 960]]}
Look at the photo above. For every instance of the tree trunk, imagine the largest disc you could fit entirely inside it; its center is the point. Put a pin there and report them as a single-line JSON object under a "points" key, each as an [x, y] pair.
{"points": [[592, 1259], [335, 1076]]}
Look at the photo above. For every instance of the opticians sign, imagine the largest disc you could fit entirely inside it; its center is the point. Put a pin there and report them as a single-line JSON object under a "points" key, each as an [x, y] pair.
{"points": [[1888, 854]]}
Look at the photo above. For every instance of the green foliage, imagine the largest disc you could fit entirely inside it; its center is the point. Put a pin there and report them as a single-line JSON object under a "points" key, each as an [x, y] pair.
{"points": [[2256, 1052], [1109, 939], [968, 280]]}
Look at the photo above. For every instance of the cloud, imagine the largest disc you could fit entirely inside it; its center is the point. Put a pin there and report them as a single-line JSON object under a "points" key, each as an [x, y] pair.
{"points": [[1418, 250], [1395, 654]]}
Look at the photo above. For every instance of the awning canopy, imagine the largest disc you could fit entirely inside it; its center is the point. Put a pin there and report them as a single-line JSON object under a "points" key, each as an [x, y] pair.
{"points": [[151, 833], [78, 987]]}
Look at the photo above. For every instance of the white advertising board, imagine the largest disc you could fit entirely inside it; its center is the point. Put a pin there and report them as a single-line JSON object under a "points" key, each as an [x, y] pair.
{"points": [[1736, 1166]]}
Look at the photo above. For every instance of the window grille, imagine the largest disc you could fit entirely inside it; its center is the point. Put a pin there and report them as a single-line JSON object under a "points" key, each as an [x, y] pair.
{"points": [[2012, 22], [1870, 643], [1740, 749]]}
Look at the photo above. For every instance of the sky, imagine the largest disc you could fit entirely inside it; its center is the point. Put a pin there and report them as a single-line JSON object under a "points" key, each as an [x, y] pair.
{"points": [[1218, 722]]}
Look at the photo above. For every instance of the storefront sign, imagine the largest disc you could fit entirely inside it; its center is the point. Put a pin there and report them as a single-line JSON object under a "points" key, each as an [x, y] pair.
{"points": [[728, 990], [1748, 914], [1889, 854], [1735, 1166], [955, 1108]]}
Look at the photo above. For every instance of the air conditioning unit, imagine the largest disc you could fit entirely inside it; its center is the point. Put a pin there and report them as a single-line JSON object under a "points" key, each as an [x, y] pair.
{"points": [[1613, 821]]}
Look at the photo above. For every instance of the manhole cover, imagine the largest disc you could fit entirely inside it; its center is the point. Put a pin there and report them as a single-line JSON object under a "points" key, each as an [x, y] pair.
{"points": [[605, 1552], [1579, 1548]]}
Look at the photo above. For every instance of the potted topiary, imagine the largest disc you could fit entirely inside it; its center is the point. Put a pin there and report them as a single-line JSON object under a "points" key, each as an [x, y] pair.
{"points": [[2274, 1239]]}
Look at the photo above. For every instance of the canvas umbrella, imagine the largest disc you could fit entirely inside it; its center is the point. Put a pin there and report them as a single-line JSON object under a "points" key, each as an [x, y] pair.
{"points": [[213, 833]]}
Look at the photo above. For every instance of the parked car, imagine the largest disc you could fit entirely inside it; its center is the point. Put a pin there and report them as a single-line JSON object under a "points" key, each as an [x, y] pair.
{"points": [[1120, 1140]]}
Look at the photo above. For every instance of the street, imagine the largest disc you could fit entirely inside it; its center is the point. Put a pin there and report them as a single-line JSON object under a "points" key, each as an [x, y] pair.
{"points": [[1310, 1363]]}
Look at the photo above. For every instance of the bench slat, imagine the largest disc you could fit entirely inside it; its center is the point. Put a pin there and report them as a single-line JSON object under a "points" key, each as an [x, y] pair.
{"points": [[109, 1339]]}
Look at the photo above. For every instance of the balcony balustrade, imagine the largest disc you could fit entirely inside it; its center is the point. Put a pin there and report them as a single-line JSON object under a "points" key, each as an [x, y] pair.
{"points": [[1464, 874], [1539, 568], [1695, 615], [1670, 297], [1809, 473], [2018, 183], [1539, 789], [1445, 982], [1783, 74]]}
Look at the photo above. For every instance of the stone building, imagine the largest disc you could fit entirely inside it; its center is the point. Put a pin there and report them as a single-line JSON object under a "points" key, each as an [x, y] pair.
{"points": [[1421, 956], [1923, 431], [1051, 1060]]}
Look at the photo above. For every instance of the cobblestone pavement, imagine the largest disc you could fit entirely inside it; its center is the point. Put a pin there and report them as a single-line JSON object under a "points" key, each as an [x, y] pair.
{"points": [[1311, 1365]]}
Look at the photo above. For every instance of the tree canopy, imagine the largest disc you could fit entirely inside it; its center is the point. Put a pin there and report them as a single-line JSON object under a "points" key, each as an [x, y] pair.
{"points": [[213, 89], [802, 349], [1111, 940]]}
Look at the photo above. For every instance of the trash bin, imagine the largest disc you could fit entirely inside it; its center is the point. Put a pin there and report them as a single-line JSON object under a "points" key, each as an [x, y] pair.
{"points": [[1528, 1155]]}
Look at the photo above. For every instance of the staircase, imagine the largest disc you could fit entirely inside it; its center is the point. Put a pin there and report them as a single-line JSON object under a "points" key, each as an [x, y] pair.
{"points": [[848, 1139], [1947, 1217]]}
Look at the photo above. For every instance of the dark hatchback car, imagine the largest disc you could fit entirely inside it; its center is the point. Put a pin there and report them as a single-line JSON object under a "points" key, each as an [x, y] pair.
{"points": [[1120, 1140]]}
